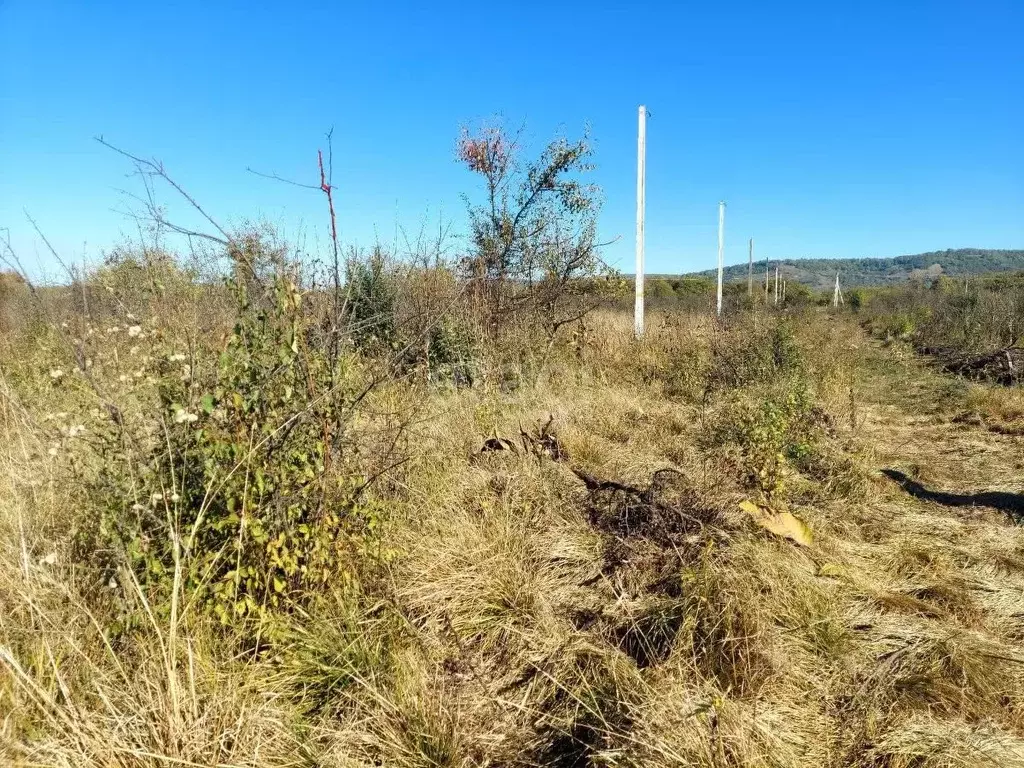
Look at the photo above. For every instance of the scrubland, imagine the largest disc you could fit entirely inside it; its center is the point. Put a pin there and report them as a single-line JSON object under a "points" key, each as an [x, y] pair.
{"points": [[235, 534]]}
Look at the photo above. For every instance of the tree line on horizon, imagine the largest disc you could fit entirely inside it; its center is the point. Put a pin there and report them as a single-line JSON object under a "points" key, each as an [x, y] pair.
{"points": [[820, 274]]}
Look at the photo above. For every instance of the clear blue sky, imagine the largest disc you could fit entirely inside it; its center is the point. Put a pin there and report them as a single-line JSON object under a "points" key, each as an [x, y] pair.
{"points": [[832, 129]]}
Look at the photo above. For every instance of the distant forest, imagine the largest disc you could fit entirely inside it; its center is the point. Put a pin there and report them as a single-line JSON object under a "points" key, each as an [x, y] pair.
{"points": [[821, 273]]}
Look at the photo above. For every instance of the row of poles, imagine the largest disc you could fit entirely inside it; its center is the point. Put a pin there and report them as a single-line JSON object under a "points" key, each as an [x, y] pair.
{"points": [[641, 203]]}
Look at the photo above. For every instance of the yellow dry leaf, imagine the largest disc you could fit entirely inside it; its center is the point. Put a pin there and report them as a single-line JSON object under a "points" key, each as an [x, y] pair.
{"points": [[780, 523], [832, 571], [751, 508], [788, 525]]}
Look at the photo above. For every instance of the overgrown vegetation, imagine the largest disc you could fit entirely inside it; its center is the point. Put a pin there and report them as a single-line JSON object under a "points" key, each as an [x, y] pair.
{"points": [[449, 512], [972, 327]]}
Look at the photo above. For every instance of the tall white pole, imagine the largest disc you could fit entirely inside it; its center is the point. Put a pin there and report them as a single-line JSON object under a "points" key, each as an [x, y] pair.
{"points": [[721, 250], [776, 283], [641, 184]]}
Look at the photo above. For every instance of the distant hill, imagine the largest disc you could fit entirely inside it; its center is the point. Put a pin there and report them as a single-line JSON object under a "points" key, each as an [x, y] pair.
{"points": [[821, 273]]}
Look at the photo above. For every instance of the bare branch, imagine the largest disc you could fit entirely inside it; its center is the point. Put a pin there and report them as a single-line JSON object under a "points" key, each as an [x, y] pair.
{"points": [[275, 177], [70, 272], [149, 168]]}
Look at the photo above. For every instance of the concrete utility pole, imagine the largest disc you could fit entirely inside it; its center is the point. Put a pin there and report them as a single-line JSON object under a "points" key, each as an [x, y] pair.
{"points": [[721, 250], [750, 271], [641, 184]]}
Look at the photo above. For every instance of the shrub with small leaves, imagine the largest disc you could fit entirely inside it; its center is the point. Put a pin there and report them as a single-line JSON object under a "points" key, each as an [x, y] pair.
{"points": [[451, 352], [371, 303], [244, 494], [751, 355], [776, 431]]}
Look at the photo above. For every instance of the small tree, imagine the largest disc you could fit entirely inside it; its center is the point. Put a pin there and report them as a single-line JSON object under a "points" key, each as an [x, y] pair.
{"points": [[535, 234]]}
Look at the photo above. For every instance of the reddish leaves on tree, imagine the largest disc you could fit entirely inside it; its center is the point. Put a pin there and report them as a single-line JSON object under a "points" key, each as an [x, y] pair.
{"points": [[484, 154]]}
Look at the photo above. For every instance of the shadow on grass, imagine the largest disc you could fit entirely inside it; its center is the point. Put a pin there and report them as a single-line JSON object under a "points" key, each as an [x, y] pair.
{"points": [[1010, 503]]}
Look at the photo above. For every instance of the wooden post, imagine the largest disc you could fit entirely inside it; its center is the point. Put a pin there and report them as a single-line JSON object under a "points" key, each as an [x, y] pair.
{"points": [[641, 184], [721, 251], [776, 284], [750, 270], [837, 295], [783, 291]]}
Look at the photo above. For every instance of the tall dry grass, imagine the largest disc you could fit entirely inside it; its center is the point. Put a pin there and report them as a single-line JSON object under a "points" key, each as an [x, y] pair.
{"points": [[562, 574]]}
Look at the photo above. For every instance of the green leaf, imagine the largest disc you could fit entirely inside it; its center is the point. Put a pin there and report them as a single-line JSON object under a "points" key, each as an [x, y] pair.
{"points": [[207, 403]]}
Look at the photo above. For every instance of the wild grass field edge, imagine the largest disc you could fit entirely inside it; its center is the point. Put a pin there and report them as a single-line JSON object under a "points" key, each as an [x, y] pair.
{"points": [[441, 511]]}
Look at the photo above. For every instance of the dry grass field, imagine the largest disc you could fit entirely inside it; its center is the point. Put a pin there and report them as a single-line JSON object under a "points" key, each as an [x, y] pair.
{"points": [[676, 552]]}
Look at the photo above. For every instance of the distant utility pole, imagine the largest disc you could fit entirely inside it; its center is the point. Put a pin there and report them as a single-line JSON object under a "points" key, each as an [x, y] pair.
{"points": [[750, 271], [783, 291], [837, 295], [641, 184], [721, 250], [776, 283]]}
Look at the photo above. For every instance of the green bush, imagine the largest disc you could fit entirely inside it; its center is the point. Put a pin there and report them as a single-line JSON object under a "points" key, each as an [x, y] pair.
{"points": [[452, 353], [238, 491], [798, 294], [751, 354], [372, 295], [769, 434], [974, 317], [776, 431]]}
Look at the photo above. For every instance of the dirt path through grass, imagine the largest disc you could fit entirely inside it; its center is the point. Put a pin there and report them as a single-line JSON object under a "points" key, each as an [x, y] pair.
{"points": [[936, 588], [926, 424]]}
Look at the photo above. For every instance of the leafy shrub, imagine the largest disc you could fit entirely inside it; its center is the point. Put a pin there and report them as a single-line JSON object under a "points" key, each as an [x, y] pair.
{"points": [[239, 491], [371, 303], [775, 431], [694, 293], [452, 353], [798, 294], [534, 238], [750, 354], [898, 326], [975, 317]]}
